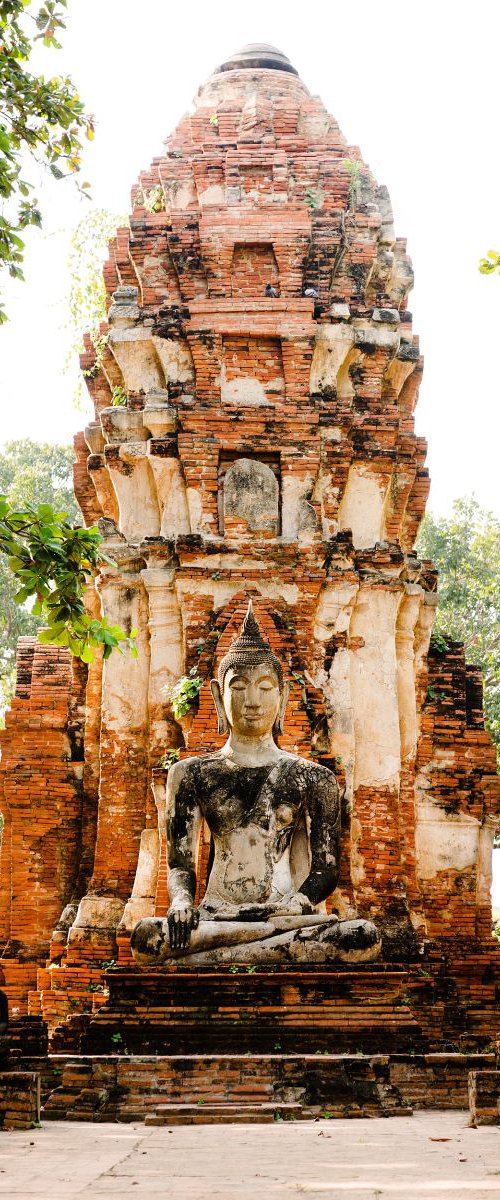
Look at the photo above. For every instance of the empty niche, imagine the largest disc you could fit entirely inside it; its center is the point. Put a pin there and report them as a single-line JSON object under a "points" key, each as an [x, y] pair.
{"points": [[249, 496], [253, 266], [252, 370]]}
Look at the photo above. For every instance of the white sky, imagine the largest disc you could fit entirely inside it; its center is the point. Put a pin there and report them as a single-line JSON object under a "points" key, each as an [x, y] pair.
{"points": [[413, 83]]}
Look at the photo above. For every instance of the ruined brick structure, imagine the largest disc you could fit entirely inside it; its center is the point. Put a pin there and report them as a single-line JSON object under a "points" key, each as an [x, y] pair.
{"points": [[266, 449]]}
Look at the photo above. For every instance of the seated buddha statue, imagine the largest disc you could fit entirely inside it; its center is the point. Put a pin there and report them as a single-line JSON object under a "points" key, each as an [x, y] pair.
{"points": [[274, 819]]}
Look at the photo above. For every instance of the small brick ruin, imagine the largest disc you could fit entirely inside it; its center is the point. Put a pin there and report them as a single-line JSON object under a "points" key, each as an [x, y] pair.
{"points": [[484, 1097], [266, 449]]}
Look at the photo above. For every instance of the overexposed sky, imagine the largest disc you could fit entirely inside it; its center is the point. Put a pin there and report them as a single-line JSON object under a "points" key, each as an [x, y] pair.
{"points": [[413, 84]]}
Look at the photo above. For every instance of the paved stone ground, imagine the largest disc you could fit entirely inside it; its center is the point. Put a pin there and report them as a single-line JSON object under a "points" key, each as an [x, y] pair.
{"points": [[430, 1156]]}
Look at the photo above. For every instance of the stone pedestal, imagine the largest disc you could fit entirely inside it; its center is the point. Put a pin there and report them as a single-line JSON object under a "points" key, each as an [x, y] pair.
{"points": [[174, 1012]]}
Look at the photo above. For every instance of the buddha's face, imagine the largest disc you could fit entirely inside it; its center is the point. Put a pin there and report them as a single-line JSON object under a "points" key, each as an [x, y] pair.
{"points": [[252, 699]]}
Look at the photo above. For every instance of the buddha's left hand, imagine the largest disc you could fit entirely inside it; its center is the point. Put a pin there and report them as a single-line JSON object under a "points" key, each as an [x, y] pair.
{"points": [[294, 905]]}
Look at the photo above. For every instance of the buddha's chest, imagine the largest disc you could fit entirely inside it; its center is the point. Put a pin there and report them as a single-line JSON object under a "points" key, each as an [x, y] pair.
{"points": [[252, 815], [245, 804]]}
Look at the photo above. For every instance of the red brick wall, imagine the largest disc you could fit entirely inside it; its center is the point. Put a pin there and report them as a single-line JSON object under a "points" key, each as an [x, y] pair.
{"points": [[41, 800]]}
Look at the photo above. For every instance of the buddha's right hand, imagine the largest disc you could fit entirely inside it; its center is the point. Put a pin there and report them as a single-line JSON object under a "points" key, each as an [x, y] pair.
{"points": [[182, 917]]}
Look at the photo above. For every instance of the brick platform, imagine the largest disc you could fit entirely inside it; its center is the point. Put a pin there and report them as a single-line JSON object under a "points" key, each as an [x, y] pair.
{"points": [[438, 1003], [177, 1012], [131, 1088]]}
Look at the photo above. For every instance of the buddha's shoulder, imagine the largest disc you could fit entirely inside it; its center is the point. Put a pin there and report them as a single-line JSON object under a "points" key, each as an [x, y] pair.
{"points": [[208, 766], [195, 765], [307, 771]]}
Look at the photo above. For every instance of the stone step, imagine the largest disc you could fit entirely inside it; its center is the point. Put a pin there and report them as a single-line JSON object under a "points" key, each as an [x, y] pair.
{"points": [[225, 1113]]}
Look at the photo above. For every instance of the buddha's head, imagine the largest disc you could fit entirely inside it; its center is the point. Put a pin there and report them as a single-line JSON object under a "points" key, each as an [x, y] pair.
{"points": [[249, 693]]}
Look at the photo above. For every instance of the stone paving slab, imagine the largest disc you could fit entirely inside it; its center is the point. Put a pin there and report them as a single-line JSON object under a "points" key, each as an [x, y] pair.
{"points": [[430, 1156]]}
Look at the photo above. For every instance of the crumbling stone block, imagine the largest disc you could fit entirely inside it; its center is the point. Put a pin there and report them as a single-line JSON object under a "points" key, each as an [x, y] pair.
{"points": [[484, 1097], [19, 1099]]}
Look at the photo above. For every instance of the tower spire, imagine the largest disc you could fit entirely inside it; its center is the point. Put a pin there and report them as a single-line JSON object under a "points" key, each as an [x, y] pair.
{"points": [[257, 56]]}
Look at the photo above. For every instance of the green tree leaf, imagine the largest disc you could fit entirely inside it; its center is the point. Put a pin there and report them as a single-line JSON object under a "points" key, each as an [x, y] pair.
{"points": [[42, 121], [465, 548]]}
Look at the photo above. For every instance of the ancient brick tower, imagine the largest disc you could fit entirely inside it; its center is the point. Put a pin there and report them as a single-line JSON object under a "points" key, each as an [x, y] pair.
{"points": [[266, 448]]}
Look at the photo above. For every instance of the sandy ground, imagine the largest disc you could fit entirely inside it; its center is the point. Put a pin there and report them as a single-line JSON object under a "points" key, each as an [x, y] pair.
{"points": [[424, 1157]]}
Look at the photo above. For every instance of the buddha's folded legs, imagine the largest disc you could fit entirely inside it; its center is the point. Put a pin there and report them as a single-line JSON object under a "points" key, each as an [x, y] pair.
{"points": [[313, 938], [151, 943]]}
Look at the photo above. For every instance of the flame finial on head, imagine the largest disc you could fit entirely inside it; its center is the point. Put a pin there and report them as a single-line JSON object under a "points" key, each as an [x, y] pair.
{"points": [[249, 649], [250, 631]]}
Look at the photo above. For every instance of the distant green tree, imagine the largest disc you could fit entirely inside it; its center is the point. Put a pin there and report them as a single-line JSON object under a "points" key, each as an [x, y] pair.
{"points": [[465, 548], [87, 293], [46, 557], [30, 472], [39, 473], [88, 250], [41, 122]]}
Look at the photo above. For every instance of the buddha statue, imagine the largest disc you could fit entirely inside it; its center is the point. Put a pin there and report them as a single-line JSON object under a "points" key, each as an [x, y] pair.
{"points": [[275, 824]]}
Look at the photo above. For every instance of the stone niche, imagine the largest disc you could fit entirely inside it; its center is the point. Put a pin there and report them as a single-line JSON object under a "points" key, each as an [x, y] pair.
{"points": [[249, 497], [253, 266]]}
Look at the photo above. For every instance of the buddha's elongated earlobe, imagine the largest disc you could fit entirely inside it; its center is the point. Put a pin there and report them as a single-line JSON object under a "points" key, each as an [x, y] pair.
{"points": [[280, 719], [222, 725]]}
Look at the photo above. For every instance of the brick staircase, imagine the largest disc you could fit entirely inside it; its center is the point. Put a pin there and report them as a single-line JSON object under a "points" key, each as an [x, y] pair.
{"points": [[227, 1114], [219, 1087]]}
